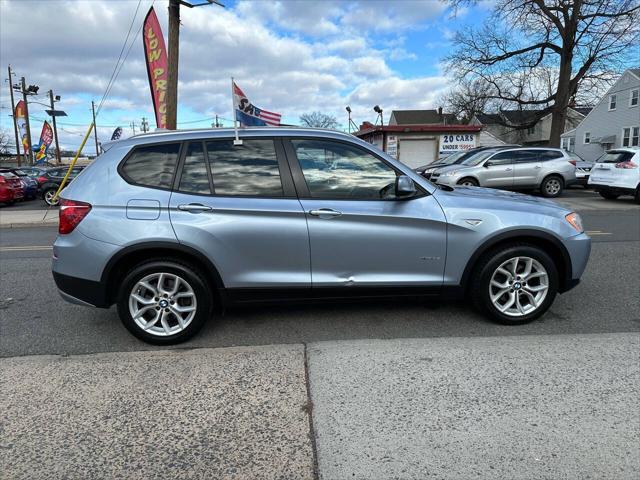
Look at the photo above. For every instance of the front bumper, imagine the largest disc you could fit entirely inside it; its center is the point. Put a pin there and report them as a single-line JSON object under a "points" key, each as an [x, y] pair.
{"points": [[579, 249]]}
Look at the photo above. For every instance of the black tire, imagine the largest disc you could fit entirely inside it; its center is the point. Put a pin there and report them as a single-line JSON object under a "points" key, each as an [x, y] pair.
{"points": [[608, 195], [468, 182], [489, 262], [552, 186], [188, 273], [637, 196], [48, 193]]}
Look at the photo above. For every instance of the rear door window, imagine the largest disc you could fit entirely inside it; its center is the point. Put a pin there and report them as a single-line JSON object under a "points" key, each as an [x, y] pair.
{"points": [[250, 169], [525, 156], [195, 177], [152, 165], [545, 155]]}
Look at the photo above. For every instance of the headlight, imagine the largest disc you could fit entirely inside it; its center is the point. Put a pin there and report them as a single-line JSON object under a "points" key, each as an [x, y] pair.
{"points": [[449, 174], [575, 221]]}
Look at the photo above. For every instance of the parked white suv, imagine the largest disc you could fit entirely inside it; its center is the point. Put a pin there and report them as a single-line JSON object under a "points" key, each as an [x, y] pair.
{"points": [[617, 172]]}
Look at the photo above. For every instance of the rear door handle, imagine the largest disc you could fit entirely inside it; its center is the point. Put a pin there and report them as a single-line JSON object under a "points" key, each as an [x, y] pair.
{"points": [[507, 169], [537, 167], [324, 212], [195, 208]]}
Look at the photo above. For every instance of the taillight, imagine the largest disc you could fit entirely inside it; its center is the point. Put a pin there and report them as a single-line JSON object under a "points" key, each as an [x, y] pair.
{"points": [[573, 162], [2, 179], [42, 179], [627, 164], [71, 214]]}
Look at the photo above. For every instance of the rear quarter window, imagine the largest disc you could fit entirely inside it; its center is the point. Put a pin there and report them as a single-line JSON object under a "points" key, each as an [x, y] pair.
{"points": [[151, 165]]}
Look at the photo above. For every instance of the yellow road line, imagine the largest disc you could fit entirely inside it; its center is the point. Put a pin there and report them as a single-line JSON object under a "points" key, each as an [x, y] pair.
{"points": [[25, 248]]}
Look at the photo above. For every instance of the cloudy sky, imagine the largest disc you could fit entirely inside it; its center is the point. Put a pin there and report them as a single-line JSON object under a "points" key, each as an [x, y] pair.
{"points": [[289, 56]]}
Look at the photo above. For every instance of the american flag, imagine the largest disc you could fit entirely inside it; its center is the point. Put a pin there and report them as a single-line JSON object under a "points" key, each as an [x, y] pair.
{"points": [[249, 115]]}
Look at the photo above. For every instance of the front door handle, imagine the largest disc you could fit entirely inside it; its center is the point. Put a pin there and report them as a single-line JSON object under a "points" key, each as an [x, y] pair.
{"points": [[537, 167], [507, 169], [324, 212], [195, 208]]}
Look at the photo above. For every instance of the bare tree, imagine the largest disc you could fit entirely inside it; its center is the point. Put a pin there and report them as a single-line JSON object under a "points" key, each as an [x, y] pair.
{"points": [[467, 99], [538, 54], [5, 141], [318, 120]]}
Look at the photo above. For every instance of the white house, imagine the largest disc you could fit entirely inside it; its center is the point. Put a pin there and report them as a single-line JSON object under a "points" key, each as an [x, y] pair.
{"points": [[613, 122]]}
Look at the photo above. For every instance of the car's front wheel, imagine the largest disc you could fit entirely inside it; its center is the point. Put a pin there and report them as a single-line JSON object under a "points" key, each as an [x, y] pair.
{"points": [[468, 182], [515, 284], [164, 301]]}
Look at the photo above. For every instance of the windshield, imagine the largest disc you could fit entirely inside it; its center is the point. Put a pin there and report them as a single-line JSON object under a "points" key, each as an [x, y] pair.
{"points": [[615, 157], [451, 159], [478, 157]]}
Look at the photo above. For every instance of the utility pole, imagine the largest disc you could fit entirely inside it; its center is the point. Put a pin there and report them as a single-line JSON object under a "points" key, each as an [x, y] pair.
{"points": [[95, 127], [133, 127], [26, 114], [55, 127], [13, 115], [173, 57], [172, 81], [145, 125]]}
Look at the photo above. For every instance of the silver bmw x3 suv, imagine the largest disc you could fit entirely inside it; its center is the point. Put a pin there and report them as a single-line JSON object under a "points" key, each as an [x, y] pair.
{"points": [[173, 226], [548, 169]]}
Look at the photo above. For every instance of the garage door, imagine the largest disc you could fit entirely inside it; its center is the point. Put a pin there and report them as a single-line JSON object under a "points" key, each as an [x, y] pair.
{"points": [[415, 153]]}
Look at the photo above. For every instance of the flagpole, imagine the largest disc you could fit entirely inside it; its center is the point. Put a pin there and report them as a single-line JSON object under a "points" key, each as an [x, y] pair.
{"points": [[237, 140]]}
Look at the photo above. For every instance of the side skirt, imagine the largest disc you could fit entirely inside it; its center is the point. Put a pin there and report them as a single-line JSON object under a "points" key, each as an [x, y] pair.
{"points": [[237, 296]]}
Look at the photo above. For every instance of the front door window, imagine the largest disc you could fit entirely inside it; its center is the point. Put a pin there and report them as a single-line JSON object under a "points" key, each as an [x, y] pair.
{"points": [[334, 170]]}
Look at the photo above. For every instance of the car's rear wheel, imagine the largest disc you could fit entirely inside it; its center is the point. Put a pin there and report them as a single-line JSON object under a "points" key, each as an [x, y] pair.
{"points": [[515, 284], [552, 186], [637, 196], [164, 301], [49, 195], [608, 195], [468, 182]]}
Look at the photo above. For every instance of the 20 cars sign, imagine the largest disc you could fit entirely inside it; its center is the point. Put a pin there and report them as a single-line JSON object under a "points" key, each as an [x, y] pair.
{"points": [[451, 143]]}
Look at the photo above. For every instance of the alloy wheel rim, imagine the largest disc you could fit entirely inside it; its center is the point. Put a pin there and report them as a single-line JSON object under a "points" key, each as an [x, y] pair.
{"points": [[519, 286], [49, 197], [162, 304], [553, 186], [467, 183]]}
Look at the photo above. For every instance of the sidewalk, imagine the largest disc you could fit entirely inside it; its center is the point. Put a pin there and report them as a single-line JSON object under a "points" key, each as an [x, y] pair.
{"points": [[28, 218], [544, 407]]}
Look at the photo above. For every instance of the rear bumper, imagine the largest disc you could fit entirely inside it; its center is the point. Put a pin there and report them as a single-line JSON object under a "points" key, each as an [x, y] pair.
{"points": [[598, 187], [81, 291]]}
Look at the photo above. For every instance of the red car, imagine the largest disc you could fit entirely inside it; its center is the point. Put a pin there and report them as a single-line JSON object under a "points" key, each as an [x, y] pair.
{"points": [[10, 188]]}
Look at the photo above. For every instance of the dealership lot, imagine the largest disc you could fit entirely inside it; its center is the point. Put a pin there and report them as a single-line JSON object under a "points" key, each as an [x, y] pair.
{"points": [[395, 388]]}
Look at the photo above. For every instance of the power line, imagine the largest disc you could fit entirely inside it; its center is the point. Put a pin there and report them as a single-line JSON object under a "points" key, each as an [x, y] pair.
{"points": [[115, 68]]}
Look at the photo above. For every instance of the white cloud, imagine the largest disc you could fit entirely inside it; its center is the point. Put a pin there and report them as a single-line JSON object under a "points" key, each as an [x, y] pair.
{"points": [[286, 55]]}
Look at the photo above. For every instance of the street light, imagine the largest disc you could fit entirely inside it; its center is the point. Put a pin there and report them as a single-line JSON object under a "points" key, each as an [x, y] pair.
{"points": [[378, 110], [351, 122]]}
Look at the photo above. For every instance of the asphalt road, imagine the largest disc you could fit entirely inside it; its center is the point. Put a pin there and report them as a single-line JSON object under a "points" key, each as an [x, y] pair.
{"points": [[35, 320]]}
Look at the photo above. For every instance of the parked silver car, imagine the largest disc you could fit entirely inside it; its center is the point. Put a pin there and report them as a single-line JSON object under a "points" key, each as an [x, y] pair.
{"points": [[171, 226], [548, 169]]}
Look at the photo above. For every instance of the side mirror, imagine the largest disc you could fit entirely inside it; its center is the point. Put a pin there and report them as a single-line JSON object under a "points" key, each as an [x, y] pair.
{"points": [[487, 164], [405, 186]]}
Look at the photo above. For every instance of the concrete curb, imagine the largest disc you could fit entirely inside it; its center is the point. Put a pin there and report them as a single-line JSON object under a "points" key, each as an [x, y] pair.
{"points": [[30, 225]]}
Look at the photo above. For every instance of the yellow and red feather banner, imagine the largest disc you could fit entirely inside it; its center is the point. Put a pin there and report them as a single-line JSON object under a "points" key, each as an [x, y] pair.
{"points": [[155, 54]]}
